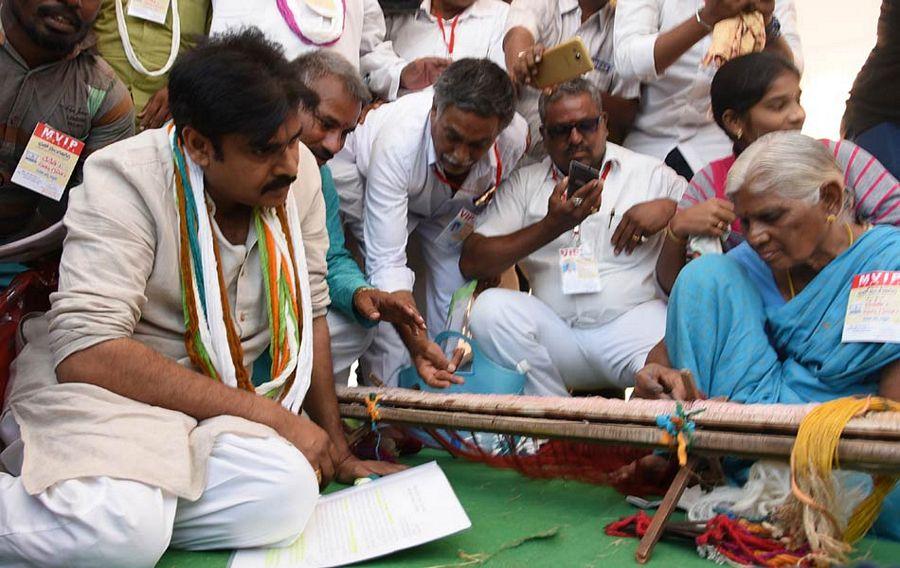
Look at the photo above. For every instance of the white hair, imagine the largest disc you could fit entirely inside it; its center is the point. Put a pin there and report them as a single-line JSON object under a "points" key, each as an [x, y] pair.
{"points": [[787, 163]]}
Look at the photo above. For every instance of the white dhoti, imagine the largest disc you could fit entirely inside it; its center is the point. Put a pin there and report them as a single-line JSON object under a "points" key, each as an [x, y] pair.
{"points": [[221, 484], [259, 492], [512, 327]]}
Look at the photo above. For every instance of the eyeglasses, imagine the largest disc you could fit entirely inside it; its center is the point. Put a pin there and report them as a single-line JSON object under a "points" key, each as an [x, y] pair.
{"points": [[584, 127]]}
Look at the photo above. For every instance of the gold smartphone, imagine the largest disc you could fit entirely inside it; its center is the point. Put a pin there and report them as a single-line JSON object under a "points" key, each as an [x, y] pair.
{"points": [[566, 61]]}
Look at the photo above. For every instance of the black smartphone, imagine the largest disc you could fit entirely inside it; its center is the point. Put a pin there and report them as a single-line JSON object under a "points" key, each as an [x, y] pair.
{"points": [[580, 174]]}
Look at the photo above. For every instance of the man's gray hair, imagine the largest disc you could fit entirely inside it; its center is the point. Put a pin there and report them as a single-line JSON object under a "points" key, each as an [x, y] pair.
{"points": [[316, 65], [479, 86], [789, 164], [570, 88]]}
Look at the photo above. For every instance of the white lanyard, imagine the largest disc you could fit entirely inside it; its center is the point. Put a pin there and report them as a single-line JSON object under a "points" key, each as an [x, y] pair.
{"points": [[129, 51]]}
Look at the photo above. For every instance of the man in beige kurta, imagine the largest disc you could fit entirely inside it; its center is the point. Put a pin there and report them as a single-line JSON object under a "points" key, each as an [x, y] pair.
{"points": [[116, 446]]}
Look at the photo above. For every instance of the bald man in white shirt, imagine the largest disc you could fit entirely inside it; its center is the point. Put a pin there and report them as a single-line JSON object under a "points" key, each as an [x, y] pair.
{"points": [[594, 311], [425, 164]]}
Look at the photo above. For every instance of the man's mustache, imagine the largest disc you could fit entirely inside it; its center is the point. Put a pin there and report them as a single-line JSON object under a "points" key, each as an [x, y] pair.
{"points": [[574, 149], [278, 183], [323, 155], [453, 162]]}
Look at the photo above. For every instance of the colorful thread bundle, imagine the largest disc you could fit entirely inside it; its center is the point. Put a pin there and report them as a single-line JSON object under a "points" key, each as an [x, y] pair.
{"points": [[678, 430], [211, 339], [723, 540], [748, 544], [374, 416]]}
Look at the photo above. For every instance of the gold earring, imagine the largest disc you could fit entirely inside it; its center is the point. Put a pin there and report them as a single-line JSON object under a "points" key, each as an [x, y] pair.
{"points": [[831, 219], [739, 133]]}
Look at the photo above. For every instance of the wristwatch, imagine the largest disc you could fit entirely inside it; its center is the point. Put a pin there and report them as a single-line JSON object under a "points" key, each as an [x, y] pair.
{"points": [[773, 29]]}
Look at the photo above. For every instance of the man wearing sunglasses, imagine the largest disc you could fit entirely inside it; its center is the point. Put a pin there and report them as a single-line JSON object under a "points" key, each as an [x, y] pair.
{"points": [[595, 311]]}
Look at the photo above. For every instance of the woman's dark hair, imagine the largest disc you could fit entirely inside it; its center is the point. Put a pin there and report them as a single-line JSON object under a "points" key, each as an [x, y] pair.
{"points": [[743, 81], [235, 83]]}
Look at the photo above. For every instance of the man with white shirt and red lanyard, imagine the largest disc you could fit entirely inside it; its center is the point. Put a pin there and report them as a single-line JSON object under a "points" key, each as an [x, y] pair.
{"points": [[426, 164], [662, 43], [436, 34], [594, 310]]}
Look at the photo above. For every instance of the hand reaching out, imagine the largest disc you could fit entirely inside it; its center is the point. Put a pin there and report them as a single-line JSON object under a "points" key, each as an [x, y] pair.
{"points": [[399, 309], [655, 381], [423, 72]]}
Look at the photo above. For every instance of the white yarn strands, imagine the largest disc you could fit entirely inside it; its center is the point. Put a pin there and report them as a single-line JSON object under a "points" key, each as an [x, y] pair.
{"points": [[129, 50], [768, 485]]}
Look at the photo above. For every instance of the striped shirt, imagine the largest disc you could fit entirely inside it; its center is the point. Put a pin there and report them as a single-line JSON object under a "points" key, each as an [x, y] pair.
{"points": [[876, 191]]}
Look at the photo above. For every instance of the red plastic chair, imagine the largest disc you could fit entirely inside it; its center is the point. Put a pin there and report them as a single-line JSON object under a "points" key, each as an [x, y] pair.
{"points": [[28, 292]]}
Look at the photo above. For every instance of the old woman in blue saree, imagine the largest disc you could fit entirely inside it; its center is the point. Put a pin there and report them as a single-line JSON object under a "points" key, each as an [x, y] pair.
{"points": [[765, 323]]}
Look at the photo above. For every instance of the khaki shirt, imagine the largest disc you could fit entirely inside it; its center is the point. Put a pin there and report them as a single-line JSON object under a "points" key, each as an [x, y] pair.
{"points": [[119, 278], [151, 43]]}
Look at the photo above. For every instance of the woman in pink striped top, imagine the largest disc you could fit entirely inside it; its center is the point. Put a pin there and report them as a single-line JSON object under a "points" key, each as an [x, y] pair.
{"points": [[752, 96]]}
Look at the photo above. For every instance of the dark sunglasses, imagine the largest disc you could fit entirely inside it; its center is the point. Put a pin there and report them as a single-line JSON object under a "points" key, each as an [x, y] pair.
{"points": [[584, 127]]}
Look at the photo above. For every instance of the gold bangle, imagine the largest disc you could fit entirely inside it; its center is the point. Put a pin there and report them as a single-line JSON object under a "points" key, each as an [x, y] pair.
{"points": [[675, 238]]}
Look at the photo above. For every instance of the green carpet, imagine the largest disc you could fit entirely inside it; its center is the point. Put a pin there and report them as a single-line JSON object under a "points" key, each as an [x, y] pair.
{"points": [[505, 507]]}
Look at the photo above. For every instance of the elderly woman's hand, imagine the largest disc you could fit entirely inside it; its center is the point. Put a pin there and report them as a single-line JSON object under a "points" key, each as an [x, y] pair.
{"points": [[709, 219], [658, 382]]}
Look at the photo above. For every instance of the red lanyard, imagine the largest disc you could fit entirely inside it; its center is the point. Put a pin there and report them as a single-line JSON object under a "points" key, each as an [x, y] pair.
{"points": [[452, 42], [499, 177]]}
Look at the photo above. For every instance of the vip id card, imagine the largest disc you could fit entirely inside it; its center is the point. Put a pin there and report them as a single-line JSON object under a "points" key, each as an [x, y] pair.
{"points": [[873, 308], [48, 161], [458, 229], [579, 271]]}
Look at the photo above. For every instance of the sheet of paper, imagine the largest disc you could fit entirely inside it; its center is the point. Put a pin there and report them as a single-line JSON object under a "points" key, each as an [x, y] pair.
{"points": [[390, 514], [873, 308]]}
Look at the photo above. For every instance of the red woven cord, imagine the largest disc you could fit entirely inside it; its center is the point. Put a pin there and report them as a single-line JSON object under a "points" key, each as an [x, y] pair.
{"points": [[748, 543], [634, 526]]}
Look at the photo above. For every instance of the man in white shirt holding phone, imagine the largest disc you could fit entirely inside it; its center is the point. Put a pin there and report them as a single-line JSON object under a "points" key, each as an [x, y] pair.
{"points": [[595, 311]]}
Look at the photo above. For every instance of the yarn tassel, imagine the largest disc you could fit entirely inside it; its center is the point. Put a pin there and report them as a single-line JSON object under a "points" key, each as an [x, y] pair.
{"points": [[808, 512]]}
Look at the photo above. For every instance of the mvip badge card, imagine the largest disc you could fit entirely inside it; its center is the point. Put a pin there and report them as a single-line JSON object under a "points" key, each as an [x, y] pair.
{"points": [[873, 308], [48, 161]]}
